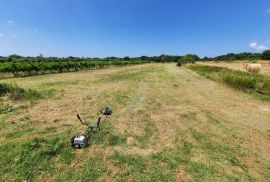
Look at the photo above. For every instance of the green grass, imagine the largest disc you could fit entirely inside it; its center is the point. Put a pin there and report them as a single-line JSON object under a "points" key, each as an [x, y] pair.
{"points": [[107, 137], [160, 166], [92, 169], [30, 157], [123, 75], [58, 84], [255, 84], [39, 155]]}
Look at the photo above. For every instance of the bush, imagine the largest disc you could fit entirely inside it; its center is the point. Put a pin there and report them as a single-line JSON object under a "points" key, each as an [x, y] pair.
{"points": [[179, 64]]}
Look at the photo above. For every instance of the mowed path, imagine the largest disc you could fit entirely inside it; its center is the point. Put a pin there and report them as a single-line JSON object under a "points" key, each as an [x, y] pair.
{"points": [[169, 123], [249, 117]]}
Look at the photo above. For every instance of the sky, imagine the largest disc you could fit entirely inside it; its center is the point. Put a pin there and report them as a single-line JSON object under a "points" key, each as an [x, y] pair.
{"points": [[101, 28]]}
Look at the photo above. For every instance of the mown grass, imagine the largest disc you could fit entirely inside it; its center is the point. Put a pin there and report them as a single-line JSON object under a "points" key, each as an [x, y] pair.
{"points": [[108, 137], [30, 158], [164, 165], [43, 156], [256, 84], [93, 168], [202, 150], [123, 75], [51, 154]]}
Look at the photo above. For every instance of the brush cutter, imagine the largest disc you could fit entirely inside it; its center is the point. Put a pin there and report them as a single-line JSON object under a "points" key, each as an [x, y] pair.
{"points": [[81, 141]]}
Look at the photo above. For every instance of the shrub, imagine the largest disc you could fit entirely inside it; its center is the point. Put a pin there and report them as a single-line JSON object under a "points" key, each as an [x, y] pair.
{"points": [[179, 64]]}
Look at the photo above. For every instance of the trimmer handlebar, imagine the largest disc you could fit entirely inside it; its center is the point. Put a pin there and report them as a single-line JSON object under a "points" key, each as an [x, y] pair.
{"points": [[104, 112], [84, 123], [81, 141]]}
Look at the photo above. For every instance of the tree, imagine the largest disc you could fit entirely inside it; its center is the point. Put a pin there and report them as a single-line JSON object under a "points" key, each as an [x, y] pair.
{"points": [[143, 57], [126, 58], [189, 58], [266, 55], [163, 58], [193, 57], [206, 58]]}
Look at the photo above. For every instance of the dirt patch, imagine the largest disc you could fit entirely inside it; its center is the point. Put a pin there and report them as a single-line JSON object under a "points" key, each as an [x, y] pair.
{"points": [[182, 176]]}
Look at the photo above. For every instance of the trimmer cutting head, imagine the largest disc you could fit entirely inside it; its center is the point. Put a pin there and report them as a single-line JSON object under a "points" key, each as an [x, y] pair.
{"points": [[106, 111]]}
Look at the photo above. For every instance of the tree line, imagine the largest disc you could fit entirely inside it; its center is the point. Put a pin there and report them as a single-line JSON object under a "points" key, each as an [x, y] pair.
{"points": [[27, 66], [265, 55]]}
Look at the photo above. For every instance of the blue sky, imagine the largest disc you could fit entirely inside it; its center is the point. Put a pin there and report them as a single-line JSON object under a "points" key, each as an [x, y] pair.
{"points": [[100, 28]]}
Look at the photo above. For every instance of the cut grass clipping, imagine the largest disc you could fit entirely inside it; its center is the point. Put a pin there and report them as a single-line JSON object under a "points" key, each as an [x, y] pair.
{"points": [[14, 92], [256, 84]]}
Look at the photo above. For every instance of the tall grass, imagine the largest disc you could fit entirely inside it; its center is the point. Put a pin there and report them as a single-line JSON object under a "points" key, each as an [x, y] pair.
{"points": [[14, 92], [249, 82]]}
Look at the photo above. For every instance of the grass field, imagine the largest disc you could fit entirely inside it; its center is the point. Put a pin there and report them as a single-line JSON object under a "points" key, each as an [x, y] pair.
{"points": [[168, 124]]}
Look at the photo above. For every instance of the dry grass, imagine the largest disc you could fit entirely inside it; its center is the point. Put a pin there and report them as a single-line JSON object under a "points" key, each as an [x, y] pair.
{"points": [[168, 124], [239, 65]]}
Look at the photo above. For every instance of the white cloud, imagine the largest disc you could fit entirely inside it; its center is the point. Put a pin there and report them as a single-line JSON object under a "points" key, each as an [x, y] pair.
{"points": [[257, 47], [267, 11]]}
